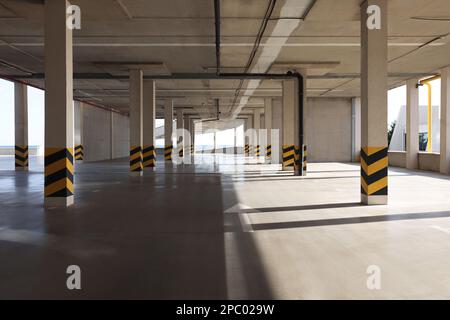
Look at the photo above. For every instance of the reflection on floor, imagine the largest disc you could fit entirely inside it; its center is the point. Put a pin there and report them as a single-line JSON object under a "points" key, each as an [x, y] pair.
{"points": [[224, 227]]}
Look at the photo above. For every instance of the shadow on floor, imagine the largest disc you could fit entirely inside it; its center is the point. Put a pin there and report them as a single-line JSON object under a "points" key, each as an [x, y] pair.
{"points": [[159, 236], [352, 220], [301, 208]]}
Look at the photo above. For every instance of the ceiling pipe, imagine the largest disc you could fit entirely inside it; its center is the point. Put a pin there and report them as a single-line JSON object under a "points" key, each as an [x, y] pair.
{"points": [[217, 24], [213, 76], [259, 36], [175, 76]]}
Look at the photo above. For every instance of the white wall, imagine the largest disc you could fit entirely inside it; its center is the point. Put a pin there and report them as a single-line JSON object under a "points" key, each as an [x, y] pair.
{"points": [[96, 133], [328, 129], [98, 130], [121, 136]]}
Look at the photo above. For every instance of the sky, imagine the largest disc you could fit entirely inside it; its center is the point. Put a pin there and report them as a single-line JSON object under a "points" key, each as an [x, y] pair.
{"points": [[396, 98], [35, 115]]}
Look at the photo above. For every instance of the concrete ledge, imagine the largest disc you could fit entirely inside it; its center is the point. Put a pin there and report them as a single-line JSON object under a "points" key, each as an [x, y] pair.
{"points": [[429, 161], [397, 159], [9, 150]]}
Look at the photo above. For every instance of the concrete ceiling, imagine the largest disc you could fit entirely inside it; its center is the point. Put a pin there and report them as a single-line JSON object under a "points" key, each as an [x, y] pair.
{"points": [[179, 35]]}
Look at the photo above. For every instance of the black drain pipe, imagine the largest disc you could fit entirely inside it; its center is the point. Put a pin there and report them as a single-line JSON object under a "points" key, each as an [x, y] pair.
{"points": [[217, 23]]}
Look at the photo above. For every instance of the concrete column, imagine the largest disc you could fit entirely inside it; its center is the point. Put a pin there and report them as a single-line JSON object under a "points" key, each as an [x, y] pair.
{"points": [[247, 125], [78, 139], [149, 114], [445, 121], [136, 121], [111, 135], [374, 162], [356, 129], [268, 125], [21, 126], [235, 141], [290, 104], [300, 123], [187, 140], [277, 133], [192, 131], [257, 127], [412, 124], [168, 129], [250, 139], [59, 121], [180, 135]]}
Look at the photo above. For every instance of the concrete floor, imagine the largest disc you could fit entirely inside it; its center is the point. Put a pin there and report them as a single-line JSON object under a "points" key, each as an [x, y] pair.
{"points": [[233, 229]]}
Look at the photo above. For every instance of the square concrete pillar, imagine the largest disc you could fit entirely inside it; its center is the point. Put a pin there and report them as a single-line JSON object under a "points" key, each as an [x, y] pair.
{"points": [[149, 114], [21, 126], [374, 152], [268, 126], [168, 129], [257, 127], [187, 137], [290, 114], [412, 124], [356, 129], [59, 121], [136, 121], [78, 138], [301, 138], [192, 132], [277, 131], [180, 133], [246, 137], [445, 121]]}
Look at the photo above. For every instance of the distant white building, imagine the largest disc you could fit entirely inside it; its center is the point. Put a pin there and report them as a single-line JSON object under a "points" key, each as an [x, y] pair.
{"points": [[398, 142]]}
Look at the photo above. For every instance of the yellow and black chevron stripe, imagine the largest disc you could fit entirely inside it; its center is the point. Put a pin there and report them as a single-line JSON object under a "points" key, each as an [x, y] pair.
{"points": [[247, 150], [149, 156], [257, 151], [21, 156], [79, 152], [168, 153], [58, 172], [305, 158], [374, 171], [288, 155], [136, 159], [269, 151]]}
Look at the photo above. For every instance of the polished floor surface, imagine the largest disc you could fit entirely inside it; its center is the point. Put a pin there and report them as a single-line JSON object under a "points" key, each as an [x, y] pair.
{"points": [[225, 227]]}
